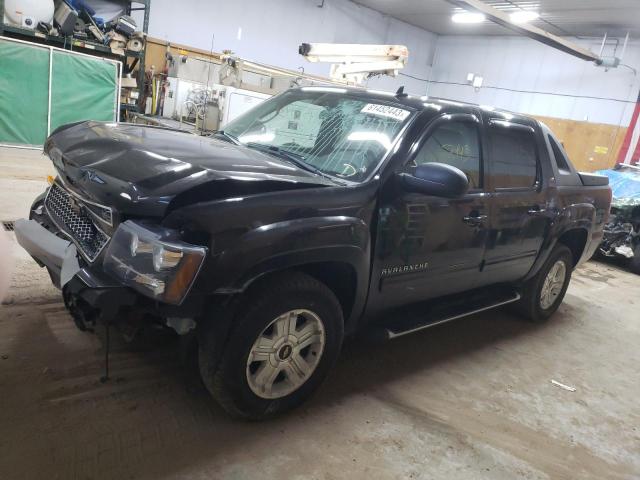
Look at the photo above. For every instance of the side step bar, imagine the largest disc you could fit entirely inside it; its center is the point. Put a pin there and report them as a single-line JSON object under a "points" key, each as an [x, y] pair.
{"points": [[414, 323]]}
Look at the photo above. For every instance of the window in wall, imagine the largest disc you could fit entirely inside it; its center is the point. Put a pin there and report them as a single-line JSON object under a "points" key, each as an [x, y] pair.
{"points": [[513, 157], [456, 144]]}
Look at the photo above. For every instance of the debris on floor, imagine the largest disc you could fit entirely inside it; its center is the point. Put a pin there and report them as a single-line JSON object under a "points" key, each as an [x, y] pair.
{"points": [[562, 385]]}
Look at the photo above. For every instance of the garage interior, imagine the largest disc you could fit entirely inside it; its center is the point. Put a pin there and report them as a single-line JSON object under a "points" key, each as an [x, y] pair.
{"points": [[488, 396]]}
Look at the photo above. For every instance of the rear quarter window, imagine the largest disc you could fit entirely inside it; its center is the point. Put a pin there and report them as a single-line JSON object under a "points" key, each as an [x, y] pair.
{"points": [[562, 161]]}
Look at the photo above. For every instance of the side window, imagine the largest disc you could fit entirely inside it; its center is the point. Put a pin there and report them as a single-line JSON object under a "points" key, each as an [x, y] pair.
{"points": [[561, 158], [456, 144], [513, 157]]}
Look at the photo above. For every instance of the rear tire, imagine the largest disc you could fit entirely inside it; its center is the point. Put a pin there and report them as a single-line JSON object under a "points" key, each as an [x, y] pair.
{"points": [[543, 294], [282, 345]]}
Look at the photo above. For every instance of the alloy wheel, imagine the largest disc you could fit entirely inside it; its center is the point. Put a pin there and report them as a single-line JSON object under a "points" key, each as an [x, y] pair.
{"points": [[553, 284], [285, 354]]}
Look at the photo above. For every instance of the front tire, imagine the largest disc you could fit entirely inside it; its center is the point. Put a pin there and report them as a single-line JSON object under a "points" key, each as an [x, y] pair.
{"points": [[281, 347], [543, 294]]}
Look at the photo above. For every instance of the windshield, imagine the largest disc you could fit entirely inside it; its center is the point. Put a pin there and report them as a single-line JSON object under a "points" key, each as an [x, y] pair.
{"points": [[329, 131]]}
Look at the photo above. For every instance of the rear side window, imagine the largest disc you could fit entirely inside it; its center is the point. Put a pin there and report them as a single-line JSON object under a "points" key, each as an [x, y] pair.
{"points": [[561, 158], [456, 144], [514, 156]]}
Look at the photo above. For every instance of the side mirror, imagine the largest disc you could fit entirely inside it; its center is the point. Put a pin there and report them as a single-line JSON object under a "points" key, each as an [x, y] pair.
{"points": [[437, 179]]}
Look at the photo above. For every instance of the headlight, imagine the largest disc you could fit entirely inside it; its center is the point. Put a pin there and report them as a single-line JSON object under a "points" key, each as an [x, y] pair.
{"points": [[150, 260]]}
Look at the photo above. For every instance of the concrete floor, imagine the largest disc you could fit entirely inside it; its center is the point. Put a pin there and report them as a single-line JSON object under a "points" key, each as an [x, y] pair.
{"points": [[471, 399]]}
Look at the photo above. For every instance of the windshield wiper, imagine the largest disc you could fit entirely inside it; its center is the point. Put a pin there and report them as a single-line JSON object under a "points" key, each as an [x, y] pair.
{"points": [[297, 160], [227, 137]]}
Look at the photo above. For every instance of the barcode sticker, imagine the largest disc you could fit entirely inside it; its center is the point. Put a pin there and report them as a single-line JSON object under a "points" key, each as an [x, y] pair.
{"points": [[385, 111]]}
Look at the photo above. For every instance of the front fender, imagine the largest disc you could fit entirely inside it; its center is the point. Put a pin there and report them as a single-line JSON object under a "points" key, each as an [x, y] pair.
{"points": [[295, 243]]}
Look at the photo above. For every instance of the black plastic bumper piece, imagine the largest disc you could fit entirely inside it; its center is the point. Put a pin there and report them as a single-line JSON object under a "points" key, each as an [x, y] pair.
{"points": [[101, 293], [106, 297]]}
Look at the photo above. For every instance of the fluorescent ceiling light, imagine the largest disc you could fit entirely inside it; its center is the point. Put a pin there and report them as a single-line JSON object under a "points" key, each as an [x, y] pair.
{"points": [[524, 16], [468, 17]]}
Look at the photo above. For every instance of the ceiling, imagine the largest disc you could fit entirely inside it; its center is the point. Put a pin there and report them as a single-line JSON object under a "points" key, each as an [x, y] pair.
{"points": [[581, 18]]}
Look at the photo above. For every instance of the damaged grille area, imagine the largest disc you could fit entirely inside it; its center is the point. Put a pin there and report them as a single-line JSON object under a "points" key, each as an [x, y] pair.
{"points": [[70, 215]]}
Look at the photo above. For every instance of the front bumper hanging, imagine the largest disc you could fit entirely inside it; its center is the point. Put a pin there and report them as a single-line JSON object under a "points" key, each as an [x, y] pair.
{"points": [[58, 255]]}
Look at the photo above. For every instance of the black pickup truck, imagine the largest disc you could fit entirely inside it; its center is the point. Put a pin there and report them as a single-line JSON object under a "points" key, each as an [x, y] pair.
{"points": [[318, 212]]}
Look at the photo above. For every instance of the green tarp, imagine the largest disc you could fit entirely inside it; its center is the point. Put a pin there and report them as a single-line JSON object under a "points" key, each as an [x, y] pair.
{"points": [[24, 97], [82, 88]]}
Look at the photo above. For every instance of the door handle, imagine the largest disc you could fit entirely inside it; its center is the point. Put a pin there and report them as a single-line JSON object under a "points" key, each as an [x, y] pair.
{"points": [[474, 220], [536, 211]]}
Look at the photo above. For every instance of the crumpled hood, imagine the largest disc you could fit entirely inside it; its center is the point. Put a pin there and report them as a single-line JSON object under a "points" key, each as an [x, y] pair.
{"points": [[140, 169]]}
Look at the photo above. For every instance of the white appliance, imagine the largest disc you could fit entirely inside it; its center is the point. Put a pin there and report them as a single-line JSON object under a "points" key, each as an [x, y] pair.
{"points": [[27, 13], [238, 101], [176, 95], [231, 102]]}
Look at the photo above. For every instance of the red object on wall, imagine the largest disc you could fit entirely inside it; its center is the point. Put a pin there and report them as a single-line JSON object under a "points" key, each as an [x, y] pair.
{"points": [[631, 139]]}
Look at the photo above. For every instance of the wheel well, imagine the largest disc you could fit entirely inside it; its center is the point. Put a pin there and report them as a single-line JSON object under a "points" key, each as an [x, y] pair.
{"points": [[339, 277], [576, 241]]}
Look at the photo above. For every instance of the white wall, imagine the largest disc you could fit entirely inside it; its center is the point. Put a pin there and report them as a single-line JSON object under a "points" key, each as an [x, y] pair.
{"points": [[519, 74], [514, 67], [270, 31]]}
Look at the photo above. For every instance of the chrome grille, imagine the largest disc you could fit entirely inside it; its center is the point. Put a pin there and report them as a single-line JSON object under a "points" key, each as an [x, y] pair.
{"points": [[102, 213], [71, 216]]}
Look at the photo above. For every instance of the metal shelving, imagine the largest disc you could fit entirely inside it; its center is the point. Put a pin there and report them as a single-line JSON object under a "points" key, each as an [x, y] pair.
{"points": [[130, 60], [140, 57]]}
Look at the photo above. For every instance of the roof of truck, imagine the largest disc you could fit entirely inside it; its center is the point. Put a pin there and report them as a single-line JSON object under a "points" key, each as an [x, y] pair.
{"points": [[420, 102]]}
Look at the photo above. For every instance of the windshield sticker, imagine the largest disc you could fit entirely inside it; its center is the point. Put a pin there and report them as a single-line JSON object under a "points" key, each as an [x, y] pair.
{"points": [[385, 111]]}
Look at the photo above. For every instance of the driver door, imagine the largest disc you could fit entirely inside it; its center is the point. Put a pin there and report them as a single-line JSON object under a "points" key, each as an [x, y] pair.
{"points": [[430, 246]]}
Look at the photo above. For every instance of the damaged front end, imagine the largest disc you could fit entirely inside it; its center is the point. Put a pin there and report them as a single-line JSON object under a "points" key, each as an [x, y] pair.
{"points": [[622, 233], [109, 228]]}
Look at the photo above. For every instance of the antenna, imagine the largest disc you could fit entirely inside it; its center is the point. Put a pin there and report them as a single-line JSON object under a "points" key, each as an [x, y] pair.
{"points": [[400, 92]]}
